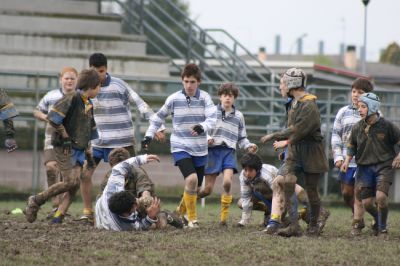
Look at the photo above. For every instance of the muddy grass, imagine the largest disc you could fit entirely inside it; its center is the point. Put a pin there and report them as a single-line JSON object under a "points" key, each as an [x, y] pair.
{"points": [[22, 243]]}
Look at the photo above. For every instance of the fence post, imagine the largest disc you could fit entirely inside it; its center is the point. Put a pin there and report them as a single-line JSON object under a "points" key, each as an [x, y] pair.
{"points": [[327, 139], [35, 161]]}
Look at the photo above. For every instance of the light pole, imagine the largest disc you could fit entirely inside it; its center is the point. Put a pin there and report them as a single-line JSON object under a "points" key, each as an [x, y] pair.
{"points": [[364, 50], [297, 41]]}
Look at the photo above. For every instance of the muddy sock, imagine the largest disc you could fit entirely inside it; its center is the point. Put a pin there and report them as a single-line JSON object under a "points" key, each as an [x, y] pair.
{"points": [[181, 209], [373, 212], [87, 211]]}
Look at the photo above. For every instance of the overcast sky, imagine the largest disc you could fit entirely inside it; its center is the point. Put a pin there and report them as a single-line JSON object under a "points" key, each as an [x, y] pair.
{"points": [[256, 23]]}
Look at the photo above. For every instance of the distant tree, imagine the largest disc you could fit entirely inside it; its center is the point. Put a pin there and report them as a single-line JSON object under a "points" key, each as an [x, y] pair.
{"points": [[391, 54]]}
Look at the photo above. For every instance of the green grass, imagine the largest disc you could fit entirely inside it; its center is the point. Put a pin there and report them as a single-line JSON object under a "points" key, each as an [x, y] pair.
{"points": [[22, 243]]}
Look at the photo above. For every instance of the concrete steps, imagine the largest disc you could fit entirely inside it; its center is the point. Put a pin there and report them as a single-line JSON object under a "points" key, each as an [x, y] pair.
{"points": [[46, 35], [65, 43], [51, 6]]}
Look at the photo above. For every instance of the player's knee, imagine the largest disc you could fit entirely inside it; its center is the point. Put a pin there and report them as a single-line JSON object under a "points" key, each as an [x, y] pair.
{"points": [[51, 166], [207, 190]]}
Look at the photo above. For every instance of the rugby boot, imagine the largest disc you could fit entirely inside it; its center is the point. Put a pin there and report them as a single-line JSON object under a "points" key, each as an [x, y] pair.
{"points": [[312, 231], [272, 227], [383, 235], [174, 220], [87, 219], [356, 227], [266, 219], [31, 209], [193, 225], [293, 229], [57, 220]]}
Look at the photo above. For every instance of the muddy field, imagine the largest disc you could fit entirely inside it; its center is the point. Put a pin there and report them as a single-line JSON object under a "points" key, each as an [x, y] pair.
{"points": [[22, 243]]}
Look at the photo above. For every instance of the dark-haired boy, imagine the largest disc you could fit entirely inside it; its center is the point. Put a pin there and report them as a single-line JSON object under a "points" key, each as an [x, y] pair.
{"points": [[138, 183], [115, 214], [112, 113], [372, 141], [229, 132], [345, 119], [72, 118], [7, 113], [193, 114], [258, 189]]}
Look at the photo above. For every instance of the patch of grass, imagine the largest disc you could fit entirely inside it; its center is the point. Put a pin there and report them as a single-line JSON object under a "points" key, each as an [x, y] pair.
{"points": [[22, 243]]}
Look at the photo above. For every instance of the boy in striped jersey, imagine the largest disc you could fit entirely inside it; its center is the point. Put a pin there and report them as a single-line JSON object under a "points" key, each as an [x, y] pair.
{"points": [[193, 114], [112, 113], [116, 209], [345, 119], [7, 113], [229, 132], [68, 80]]}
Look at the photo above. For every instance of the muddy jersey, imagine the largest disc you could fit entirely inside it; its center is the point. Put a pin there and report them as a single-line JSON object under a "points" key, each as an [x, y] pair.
{"points": [[304, 135], [76, 115], [375, 143]]}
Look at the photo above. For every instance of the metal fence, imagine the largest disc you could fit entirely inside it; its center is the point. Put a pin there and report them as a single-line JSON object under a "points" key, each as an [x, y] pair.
{"points": [[263, 111]]}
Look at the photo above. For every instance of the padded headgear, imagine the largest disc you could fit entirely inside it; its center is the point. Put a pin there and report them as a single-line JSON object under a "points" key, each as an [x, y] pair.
{"points": [[372, 101], [294, 78]]}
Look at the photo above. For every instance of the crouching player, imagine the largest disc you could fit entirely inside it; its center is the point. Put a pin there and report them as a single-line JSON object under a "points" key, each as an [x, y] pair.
{"points": [[72, 118], [372, 142], [222, 140], [258, 190], [138, 183]]}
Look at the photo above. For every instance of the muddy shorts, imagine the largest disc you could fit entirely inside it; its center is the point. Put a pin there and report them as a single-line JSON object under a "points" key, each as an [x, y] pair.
{"points": [[378, 176]]}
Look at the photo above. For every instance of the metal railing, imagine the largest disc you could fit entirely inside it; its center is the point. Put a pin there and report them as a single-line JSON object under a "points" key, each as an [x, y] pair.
{"points": [[27, 88]]}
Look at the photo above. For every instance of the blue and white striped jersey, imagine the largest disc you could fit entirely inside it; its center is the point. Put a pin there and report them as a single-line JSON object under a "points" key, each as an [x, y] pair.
{"points": [[345, 119], [44, 106], [230, 129], [105, 219], [186, 112], [113, 115]]}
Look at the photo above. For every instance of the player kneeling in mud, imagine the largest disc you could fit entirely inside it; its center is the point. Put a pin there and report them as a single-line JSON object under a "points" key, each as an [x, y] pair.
{"points": [[118, 209], [260, 191]]}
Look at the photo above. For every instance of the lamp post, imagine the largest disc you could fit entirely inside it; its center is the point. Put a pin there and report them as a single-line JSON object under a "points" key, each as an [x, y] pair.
{"points": [[297, 41], [364, 50]]}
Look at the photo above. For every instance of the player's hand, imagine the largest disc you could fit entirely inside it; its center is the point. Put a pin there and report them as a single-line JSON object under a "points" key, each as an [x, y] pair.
{"points": [[344, 167], [279, 144], [154, 208], [252, 148], [339, 163], [145, 143], [160, 136], [267, 138], [210, 142], [152, 158], [396, 162], [197, 130], [10, 144], [67, 145]]}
